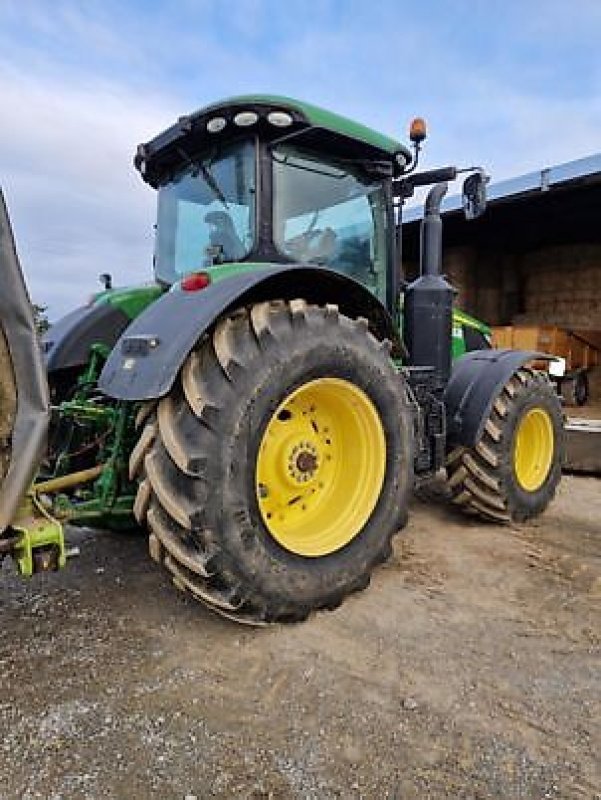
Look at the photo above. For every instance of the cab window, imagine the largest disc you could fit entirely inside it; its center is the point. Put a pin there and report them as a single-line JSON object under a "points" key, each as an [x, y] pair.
{"points": [[327, 213]]}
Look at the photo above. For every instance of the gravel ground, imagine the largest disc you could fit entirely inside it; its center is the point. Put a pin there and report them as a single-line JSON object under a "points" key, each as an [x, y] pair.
{"points": [[470, 668]]}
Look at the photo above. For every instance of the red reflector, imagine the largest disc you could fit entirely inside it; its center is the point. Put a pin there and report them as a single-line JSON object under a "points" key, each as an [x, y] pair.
{"points": [[195, 282]]}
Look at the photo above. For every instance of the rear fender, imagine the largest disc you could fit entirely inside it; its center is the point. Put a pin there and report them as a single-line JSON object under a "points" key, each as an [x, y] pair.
{"points": [[67, 344], [476, 381], [150, 353], [28, 437]]}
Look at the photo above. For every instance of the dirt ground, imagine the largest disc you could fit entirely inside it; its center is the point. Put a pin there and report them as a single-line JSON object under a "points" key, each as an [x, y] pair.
{"points": [[470, 668]]}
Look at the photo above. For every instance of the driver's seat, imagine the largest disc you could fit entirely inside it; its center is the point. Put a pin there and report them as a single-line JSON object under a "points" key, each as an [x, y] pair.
{"points": [[223, 234]]}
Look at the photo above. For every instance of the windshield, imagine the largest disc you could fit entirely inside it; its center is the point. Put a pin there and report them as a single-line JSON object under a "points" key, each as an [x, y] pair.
{"points": [[206, 215], [324, 213]]}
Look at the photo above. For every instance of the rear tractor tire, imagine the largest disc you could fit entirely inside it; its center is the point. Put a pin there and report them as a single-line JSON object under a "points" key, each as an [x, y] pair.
{"points": [[276, 471], [512, 473]]}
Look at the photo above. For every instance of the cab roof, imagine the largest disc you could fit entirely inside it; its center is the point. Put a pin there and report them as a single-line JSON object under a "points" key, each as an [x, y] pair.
{"points": [[307, 124]]}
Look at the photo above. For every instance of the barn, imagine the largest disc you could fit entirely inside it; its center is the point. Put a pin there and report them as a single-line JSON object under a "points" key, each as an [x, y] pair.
{"points": [[534, 259]]}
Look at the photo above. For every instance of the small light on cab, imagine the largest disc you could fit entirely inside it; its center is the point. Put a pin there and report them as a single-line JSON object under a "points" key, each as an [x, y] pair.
{"points": [[280, 119], [245, 118], [417, 130], [216, 125], [195, 282]]}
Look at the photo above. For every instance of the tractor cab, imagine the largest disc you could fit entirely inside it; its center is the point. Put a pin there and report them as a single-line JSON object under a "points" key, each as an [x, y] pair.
{"points": [[270, 180]]}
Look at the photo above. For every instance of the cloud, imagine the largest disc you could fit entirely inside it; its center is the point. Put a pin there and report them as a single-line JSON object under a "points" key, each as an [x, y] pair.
{"points": [[511, 86], [77, 205]]}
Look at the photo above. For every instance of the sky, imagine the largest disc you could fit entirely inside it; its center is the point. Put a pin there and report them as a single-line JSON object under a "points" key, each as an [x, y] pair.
{"points": [[512, 85]]}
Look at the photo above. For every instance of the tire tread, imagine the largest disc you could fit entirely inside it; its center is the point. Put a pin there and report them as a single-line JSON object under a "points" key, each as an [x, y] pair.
{"points": [[171, 469], [477, 477]]}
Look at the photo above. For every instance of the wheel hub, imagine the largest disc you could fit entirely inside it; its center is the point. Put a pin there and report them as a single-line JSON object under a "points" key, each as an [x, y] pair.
{"points": [[303, 462]]}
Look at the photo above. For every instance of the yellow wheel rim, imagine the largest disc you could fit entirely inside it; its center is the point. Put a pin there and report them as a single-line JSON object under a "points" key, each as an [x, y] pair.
{"points": [[533, 449], [320, 467]]}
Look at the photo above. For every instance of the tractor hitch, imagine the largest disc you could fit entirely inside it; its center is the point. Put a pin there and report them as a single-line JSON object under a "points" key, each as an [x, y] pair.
{"points": [[35, 541]]}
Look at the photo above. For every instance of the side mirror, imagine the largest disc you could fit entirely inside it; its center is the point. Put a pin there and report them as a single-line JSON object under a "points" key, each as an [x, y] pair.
{"points": [[106, 280], [474, 195]]}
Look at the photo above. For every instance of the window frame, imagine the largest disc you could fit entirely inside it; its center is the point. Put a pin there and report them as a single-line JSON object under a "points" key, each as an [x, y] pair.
{"points": [[386, 219], [253, 252]]}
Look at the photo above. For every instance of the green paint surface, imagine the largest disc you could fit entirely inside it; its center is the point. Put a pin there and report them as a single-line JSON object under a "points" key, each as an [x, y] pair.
{"points": [[458, 347], [461, 320], [471, 322], [220, 271], [319, 117], [132, 300]]}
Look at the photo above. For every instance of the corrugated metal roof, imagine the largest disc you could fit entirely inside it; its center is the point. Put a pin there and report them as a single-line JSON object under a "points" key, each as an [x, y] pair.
{"points": [[585, 170]]}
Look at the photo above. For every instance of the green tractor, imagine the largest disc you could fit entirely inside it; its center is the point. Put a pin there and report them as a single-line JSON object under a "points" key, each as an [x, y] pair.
{"points": [[264, 407]]}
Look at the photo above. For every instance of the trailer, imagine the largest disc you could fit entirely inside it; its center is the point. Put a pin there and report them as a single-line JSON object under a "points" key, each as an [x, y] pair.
{"points": [[576, 353]]}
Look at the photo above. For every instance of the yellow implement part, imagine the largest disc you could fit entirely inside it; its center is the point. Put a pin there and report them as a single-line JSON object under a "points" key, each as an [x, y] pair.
{"points": [[320, 467], [533, 449], [41, 545], [65, 481]]}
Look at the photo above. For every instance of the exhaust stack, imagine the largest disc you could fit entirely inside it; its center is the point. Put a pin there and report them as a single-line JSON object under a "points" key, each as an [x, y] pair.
{"points": [[428, 303]]}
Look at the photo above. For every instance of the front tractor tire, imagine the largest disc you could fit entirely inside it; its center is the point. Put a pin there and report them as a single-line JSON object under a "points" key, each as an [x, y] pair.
{"points": [[512, 473], [274, 474]]}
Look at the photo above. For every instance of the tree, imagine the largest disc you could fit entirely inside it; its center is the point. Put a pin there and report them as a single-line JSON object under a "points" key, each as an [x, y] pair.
{"points": [[41, 320]]}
